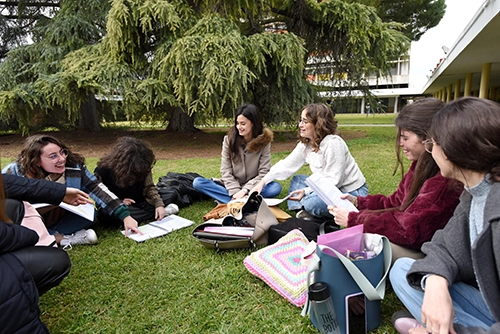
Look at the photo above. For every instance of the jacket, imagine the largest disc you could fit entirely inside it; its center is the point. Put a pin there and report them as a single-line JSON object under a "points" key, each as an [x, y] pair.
{"points": [[19, 311], [429, 212], [33, 190], [333, 160], [255, 162], [449, 254]]}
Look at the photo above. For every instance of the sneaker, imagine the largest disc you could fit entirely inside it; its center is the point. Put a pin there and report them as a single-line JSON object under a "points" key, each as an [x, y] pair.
{"points": [[303, 214], [171, 209], [403, 321], [82, 237]]}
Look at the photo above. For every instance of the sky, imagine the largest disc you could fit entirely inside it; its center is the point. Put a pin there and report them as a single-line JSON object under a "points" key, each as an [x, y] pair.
{"points": [[425, 53]]}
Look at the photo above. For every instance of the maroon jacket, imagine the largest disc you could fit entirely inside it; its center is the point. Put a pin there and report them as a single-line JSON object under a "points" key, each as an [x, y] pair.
{"points": [[429, 212]]}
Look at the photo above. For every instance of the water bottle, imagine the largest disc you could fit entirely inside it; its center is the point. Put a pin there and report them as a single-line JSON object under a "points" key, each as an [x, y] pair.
{"points": [[321, 302]]}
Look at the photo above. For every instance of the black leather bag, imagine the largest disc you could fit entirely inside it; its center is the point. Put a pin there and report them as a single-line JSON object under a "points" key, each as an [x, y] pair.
{"points": [[310, 228]]}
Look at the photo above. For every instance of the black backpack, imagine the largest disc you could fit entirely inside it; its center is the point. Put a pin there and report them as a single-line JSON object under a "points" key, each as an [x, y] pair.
{"points": [[310, 228], [178, 188]]}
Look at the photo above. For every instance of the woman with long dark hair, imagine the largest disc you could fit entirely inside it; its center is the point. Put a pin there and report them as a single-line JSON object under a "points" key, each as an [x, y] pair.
{"points": [[424, 200], [246, 158], [455, 288]]}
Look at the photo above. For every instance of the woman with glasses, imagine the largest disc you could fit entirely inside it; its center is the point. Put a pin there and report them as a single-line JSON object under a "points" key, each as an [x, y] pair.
{"points": [[46, 157], [326, 153], [456, 287], [424, 200]]}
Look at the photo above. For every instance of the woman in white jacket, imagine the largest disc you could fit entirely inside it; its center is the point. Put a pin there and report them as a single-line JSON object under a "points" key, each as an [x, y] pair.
{"points": [[326, 153]]}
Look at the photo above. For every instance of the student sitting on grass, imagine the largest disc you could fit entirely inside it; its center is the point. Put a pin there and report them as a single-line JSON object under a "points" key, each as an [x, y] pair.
{"points": [[46, 157], [326, 153], [126, 169], [246, 158], [424, 200], [455, 288]]}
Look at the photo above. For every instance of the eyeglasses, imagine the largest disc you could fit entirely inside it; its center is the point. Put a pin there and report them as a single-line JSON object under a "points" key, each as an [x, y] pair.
{"points": [[63, 153], [304, 121], [428, 145]]}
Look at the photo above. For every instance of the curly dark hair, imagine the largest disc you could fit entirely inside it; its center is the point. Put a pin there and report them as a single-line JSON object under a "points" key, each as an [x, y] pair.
{"points": [[130, 161], [31, 153], [324, 122]]}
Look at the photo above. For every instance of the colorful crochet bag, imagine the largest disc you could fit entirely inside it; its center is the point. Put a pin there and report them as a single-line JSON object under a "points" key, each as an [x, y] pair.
{"points": [[280, 266]]}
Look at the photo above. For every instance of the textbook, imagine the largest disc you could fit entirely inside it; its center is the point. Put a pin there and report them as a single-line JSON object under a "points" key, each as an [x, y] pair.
{"points": [[275, 201], [328, 192], [159, 228], [84, 210]]}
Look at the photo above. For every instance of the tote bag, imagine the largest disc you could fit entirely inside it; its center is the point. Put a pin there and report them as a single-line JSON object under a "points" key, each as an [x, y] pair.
{"points": [[347, 277]]}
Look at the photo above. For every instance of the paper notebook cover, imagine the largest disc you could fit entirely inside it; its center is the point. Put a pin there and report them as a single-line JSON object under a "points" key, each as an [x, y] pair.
{"points": [[328, 192], [160, 228], [275, 201], [231, 230], [84, 210]]}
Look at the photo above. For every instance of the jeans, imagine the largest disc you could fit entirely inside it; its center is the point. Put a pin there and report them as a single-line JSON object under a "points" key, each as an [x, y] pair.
{"points": [[218, 192], [311, 202], [71, 223], [468, 302]]}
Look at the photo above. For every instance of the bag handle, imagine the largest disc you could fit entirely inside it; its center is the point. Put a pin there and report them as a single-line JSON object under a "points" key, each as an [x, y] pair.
{"points": [[372, 293]]}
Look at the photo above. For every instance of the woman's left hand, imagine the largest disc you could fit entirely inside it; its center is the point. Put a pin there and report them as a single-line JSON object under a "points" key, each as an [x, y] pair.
{"points": [[131, 225], [240, 194], [340, 215], [297, 195], [160, 212]]}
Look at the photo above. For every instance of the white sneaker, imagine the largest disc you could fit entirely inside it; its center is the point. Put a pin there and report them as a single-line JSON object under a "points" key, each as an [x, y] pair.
{"points": [[303, 214], [82, 237], [171, 209]]}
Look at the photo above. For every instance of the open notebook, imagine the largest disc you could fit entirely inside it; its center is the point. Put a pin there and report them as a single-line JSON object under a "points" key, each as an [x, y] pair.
{"points": [[159, 228]]}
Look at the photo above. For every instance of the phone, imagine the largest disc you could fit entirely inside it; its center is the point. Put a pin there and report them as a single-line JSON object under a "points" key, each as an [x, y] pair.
{"points": [[355, 313]]}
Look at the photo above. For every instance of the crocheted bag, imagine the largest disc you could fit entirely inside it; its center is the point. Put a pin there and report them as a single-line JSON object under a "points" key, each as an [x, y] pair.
{"points": [[279, 265]]}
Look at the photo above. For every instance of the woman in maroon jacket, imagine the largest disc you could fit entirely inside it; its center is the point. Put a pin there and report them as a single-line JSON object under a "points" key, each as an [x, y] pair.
{"points": [[424, 200]]}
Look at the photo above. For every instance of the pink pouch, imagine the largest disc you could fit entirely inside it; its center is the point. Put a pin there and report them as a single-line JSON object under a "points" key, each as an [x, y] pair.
{"points": [[350, 238], [34, 221]]}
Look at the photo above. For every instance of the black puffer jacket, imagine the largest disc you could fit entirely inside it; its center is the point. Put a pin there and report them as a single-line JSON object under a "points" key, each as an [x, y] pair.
{"points": [[18, 293]]}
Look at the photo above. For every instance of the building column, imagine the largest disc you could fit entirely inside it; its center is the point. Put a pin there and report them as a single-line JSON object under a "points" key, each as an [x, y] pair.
{"points": [[448, 93], [457, 89], [468, 85], [396, 100], [485, 81], [362, 106]]}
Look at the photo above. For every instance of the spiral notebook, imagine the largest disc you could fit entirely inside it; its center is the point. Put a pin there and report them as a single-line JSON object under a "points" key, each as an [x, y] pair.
{"points": [[160, 228]]}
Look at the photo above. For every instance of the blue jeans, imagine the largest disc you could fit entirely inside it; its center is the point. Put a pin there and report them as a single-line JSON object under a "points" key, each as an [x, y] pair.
{"points": [[311, 202], [71, 223], [218, 192], [470, 308]]}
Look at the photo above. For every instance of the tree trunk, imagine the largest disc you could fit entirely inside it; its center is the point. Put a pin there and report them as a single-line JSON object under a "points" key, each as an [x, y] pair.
{"points": [[89, 118], [179, 121]]}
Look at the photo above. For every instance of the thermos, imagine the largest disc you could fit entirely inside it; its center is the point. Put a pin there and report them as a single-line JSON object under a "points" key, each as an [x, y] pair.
{"points": [[321, 303]]}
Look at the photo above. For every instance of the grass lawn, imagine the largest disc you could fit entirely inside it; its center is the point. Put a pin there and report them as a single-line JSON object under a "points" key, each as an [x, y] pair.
{"points": [[173, 284]]}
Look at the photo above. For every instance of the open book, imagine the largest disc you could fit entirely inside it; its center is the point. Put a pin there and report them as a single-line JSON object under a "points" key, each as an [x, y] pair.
{"points": [[275, 201], [84, 210], [159, 228], [328, 192]]}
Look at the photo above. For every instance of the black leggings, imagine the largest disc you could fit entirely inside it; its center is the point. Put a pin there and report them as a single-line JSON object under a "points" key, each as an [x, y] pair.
{"points": [[47, 265]]}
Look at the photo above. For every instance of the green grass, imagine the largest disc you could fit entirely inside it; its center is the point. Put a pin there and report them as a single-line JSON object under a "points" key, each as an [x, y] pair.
{"points": [[173, 284]]}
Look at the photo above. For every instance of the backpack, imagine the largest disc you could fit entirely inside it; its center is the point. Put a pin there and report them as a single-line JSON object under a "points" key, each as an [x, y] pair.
{"points": [[178, 188]]}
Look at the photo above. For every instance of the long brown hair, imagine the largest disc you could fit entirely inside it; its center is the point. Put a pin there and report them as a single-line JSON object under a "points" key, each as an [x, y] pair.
{"points": [[468, 131], [3, 214], [130, 161], [417, 118], [236, 141], [324, 124], [31, 154]]}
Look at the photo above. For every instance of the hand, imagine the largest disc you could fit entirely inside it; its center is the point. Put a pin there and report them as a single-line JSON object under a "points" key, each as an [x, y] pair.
{"points": [[160, 212], [240, 194], [350, 198], [128, 201], [76, 197], [297, 195], [437, 308], [340, 215], [131, 224], [258, 187]]}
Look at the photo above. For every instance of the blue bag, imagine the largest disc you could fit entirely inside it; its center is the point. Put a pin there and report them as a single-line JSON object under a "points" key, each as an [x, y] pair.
{"points": [[347, 277]]}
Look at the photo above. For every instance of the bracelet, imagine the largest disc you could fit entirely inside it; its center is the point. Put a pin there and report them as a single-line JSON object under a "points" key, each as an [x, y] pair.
{"points": [[246, 191], [422, 281]]}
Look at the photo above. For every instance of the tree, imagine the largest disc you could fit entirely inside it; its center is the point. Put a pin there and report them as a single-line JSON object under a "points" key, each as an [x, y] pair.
{"points": [[178, 60]]}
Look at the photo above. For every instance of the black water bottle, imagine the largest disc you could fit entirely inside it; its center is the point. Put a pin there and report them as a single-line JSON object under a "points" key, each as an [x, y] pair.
{"points": [[321, 303]]}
